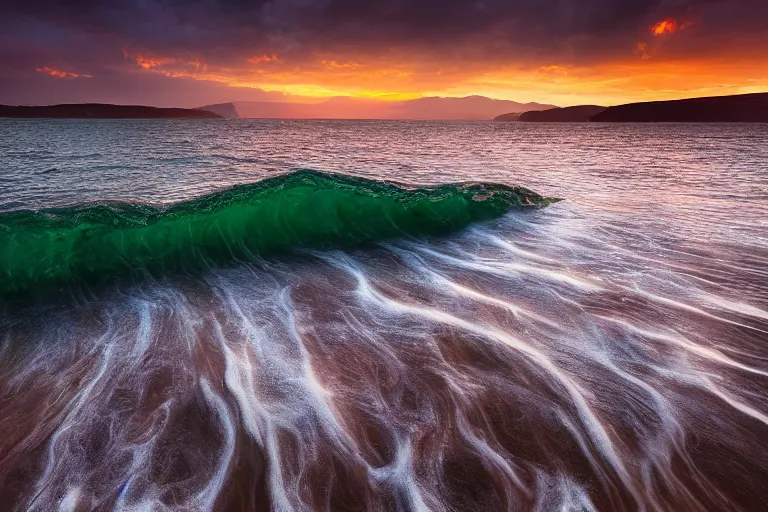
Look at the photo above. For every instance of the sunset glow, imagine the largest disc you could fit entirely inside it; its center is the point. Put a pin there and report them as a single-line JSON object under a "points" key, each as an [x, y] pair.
{"points": [[526, 54], [645, 73], [383, 255]]}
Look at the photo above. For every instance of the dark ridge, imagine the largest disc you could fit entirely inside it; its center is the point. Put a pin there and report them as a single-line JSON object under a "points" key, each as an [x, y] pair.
{"points": [[103, 111], [226, 110], [577, 114], [743, 108]]}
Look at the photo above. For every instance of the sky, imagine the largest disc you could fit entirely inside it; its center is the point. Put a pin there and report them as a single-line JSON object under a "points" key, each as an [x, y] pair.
{"points": [[563, 52]]}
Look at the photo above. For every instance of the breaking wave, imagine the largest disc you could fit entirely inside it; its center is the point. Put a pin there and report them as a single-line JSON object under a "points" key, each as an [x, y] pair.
{"points": [[88, 245]]}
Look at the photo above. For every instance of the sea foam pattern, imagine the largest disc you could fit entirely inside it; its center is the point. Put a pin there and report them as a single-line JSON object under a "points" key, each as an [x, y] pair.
{"points": [[480, 372]]}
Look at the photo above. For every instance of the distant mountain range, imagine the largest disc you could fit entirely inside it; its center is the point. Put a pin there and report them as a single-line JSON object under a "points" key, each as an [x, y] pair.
{"points": [[469, 108], [742, 108]]}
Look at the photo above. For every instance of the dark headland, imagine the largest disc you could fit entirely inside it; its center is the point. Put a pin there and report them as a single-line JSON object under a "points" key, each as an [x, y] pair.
{"points": [[581, 113], [104, 111], [743, 108]]}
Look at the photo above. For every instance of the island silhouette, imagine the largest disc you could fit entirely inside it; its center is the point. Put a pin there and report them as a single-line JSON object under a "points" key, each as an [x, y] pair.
{"points": [[742, 108]]}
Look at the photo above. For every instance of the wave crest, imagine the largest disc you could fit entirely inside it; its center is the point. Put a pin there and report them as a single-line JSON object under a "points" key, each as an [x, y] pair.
{"points": [[92, 244]]}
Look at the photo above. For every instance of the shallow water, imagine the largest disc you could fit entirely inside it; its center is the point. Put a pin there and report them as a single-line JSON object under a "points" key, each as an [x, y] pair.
{"points": [[608, 352]]}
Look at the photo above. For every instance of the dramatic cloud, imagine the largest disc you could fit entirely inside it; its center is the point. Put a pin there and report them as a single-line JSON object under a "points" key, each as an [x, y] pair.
{"points": [[669, 26], [557, 51], [61, 74]]}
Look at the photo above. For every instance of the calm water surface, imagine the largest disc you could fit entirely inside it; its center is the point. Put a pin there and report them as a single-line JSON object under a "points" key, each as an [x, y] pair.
{"points": [[609, 352]]}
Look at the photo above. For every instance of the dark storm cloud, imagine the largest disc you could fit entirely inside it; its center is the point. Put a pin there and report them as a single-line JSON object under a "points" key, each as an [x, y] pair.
{"points": [[89, 36], [328, 24]]}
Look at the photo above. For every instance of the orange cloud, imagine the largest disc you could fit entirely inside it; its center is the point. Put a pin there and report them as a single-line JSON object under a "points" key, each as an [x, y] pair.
{"points": [[148, 62], [264, 58], [669, 26], [336, 65], [61, 74]]}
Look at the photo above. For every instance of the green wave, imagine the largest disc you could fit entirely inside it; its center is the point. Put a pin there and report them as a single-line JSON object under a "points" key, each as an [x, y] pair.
{"points": [[94, 244]]}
